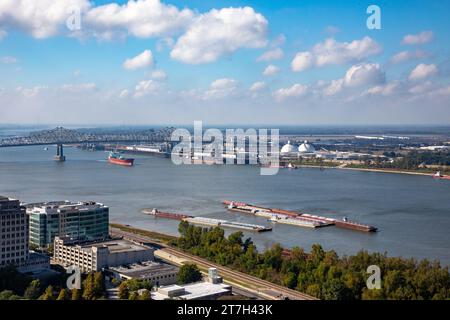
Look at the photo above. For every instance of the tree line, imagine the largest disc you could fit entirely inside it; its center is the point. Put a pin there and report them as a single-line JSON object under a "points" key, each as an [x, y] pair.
{"points": [[322, 274], [17, 286]]}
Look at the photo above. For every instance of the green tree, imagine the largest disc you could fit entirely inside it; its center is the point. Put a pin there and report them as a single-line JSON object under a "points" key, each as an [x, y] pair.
{"points": [[124, 292], [188, 273], [63, 294], [48, 294], [33, 291], [76, 294], [133, 296], [137, 284], [89, 287], [335, 289], [99, 285], [322, 274], [6, 294], [145, 295]]}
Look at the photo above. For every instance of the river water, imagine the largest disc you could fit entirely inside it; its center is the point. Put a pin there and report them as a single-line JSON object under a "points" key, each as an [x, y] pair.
{"points": [[411, 212]]}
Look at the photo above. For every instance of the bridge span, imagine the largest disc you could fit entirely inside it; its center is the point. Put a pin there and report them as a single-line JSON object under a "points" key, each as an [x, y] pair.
{"points": [[61, 136]]}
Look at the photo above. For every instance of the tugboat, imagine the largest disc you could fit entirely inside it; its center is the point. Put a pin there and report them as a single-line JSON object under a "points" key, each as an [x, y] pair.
{"points": [[438, 175], [116, 158]]}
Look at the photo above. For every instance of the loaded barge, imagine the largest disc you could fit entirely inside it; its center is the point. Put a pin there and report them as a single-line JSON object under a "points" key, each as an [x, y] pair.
{"points": [[210, 222], [296, 218]]}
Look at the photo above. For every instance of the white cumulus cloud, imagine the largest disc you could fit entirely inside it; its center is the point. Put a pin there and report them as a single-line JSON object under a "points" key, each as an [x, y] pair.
{"points": [[258, 86], [274, 54], [220, 32], [366, 74], [221, 88], [387, 89], [39, 18], [422, 71], [142, 60], [420, 38], [145, 87], [295, 90], [408, 55], [332, 52], [158, 75], [271, 70], [139, 18]]}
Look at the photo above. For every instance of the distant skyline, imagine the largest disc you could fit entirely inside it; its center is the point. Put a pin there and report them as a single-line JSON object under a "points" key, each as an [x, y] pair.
{"points": [[149, 62]]}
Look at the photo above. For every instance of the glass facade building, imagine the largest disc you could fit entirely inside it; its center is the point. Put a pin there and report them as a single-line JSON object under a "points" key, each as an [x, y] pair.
{"points": [[82, 221]]}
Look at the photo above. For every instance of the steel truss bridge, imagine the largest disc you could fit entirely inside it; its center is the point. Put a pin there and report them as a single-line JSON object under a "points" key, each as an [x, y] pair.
{"points": [[61, 136]]}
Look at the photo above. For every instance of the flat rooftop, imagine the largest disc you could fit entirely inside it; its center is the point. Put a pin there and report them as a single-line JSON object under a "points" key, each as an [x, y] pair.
{"points": [[118, 246], [3, 198], [144, 269], [194, 291], [58, 206], [114, 246]]}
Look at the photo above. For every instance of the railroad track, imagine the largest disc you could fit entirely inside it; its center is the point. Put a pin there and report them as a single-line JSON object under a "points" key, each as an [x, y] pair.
{"points": [[239, 276]]}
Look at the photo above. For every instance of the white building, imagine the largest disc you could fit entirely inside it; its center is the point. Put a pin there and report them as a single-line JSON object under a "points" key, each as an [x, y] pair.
{"points": [[194, 291], [211, 289], [99, 255], [159, 274]]}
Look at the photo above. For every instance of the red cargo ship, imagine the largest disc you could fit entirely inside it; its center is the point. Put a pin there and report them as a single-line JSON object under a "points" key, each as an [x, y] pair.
{"points": [[116, 158]]}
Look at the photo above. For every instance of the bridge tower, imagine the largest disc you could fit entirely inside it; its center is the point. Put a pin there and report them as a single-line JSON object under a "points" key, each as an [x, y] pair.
{"points": [[60, 153]]}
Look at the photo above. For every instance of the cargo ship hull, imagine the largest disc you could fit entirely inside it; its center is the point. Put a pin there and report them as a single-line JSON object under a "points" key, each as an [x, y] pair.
{"points": [[121, 162]]}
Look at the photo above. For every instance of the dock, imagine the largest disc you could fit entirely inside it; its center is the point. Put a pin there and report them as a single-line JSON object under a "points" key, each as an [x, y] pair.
{"points": [[296, 218], [210, 222]]}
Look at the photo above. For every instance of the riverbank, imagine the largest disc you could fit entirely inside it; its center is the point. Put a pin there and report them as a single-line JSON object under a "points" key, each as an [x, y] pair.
{"points": [[157, 236], [369, 170]]}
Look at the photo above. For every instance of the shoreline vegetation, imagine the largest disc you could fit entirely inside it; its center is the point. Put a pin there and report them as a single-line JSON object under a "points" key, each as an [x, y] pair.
{"points": [[322, 274], [428, 173], [412, 163]]}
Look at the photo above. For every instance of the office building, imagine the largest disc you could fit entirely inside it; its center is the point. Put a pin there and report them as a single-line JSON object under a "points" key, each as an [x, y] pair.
{"points": [[84, 221], [95, 256], [13, 233]]}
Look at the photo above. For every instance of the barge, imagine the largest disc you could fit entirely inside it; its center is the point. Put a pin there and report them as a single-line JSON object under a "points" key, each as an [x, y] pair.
{"points": [[296, 218], [167, 215], [210, 222]]}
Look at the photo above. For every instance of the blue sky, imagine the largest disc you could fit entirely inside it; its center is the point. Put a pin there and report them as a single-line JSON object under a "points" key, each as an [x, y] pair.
{"points": [[201, 60]]}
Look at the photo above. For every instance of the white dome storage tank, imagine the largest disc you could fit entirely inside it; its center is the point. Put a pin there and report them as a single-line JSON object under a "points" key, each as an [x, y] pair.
{"points": [[287, 149], [305, 147]]}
